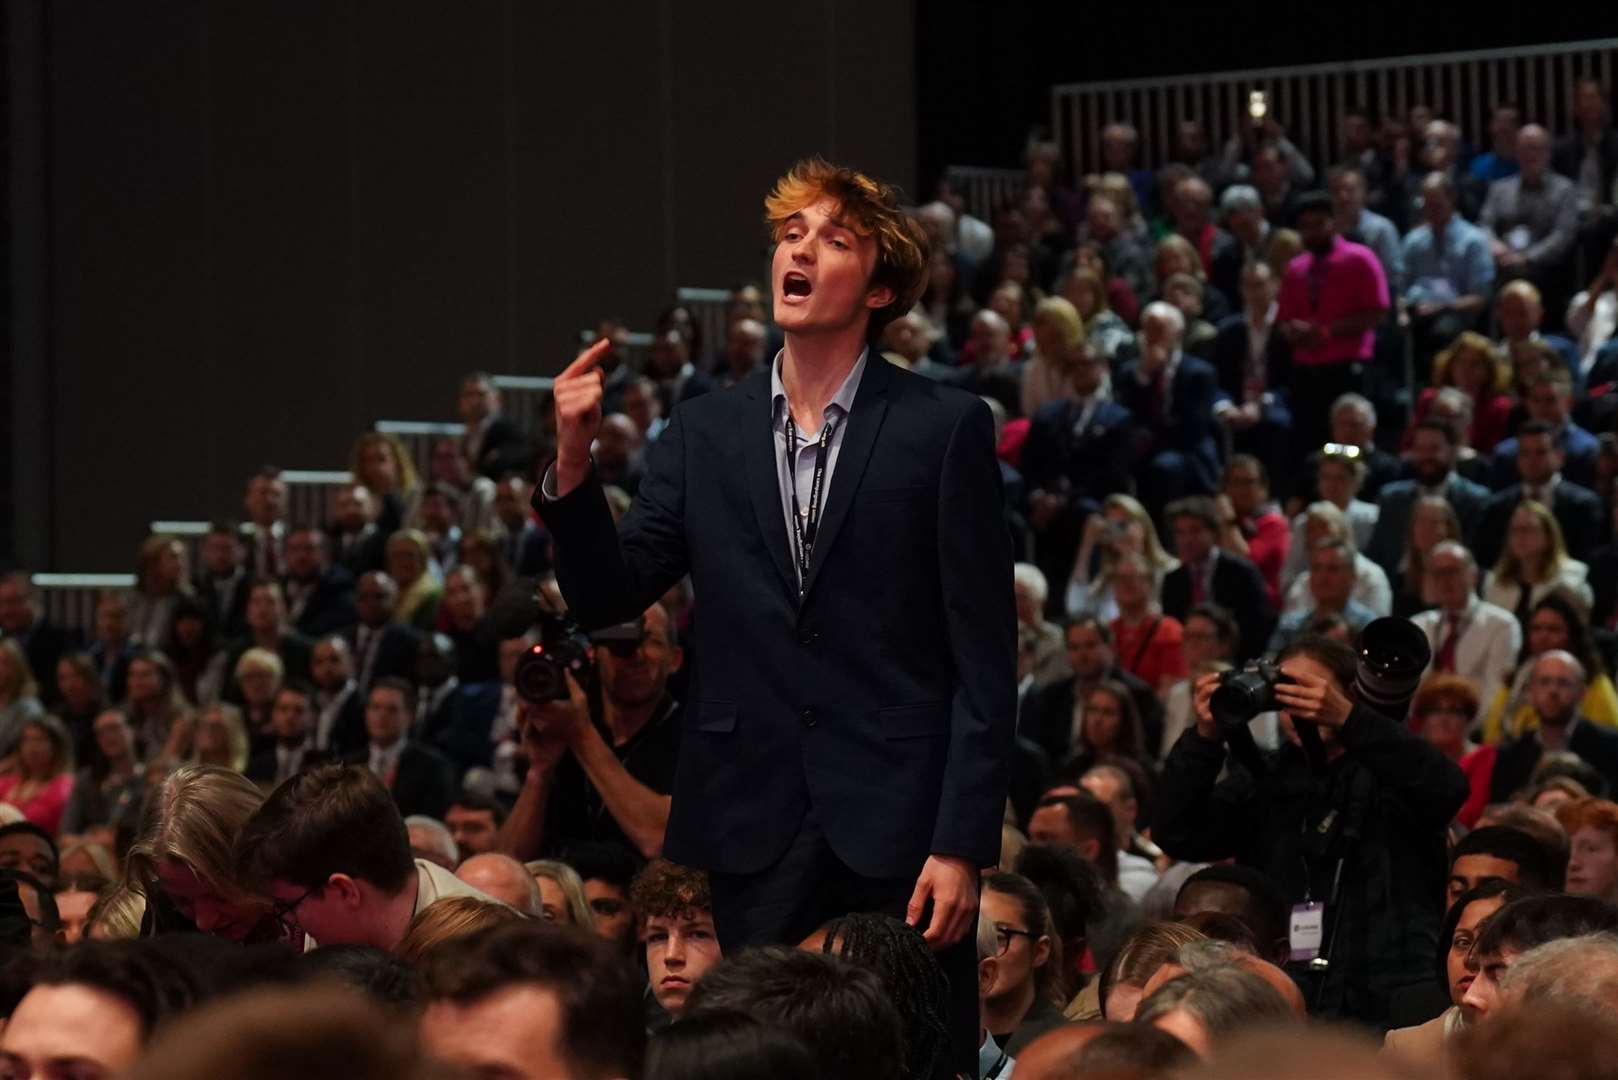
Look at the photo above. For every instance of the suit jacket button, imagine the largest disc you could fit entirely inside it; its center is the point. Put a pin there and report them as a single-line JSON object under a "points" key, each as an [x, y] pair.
{"points": [[808, 717]]}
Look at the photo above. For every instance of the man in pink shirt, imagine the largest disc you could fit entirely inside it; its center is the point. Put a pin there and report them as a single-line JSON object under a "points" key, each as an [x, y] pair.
{"points": [[1332, 299]]}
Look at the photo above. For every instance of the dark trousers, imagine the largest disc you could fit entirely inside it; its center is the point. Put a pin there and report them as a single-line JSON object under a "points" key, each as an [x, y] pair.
{"points": [[1314, 388], [808, 886]]}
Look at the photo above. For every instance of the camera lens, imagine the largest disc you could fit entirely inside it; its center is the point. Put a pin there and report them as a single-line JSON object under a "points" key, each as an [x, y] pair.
{"points": [[1241, 696], [538, 679], [1393, 654]]}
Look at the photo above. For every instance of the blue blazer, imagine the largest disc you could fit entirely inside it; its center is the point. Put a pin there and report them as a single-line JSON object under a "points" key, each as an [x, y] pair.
{"points": [[885, 697], [1189, 426], [1088, 465]]}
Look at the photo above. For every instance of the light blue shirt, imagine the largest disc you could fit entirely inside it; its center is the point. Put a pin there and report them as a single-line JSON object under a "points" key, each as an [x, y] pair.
{"points": [[1382, 237], [989, 1056], [803, 465], [1461, 265]]}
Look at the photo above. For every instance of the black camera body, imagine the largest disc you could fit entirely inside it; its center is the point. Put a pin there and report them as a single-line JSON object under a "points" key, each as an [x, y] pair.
{"points": [[541, 674], [1245, 693]]}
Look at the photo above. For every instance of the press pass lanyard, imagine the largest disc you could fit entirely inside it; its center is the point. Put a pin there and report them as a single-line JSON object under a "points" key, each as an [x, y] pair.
{"points": [[803, 531]]}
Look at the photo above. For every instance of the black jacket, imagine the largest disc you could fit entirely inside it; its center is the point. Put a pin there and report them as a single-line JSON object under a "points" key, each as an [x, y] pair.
{"points": [[330, 607], [45, 644], [884, 695], [1577, 510], [1393, 795], [1514, 766], [1047, 715], [1089, 464], [423, 783], [504, 449], [1239, 588]]}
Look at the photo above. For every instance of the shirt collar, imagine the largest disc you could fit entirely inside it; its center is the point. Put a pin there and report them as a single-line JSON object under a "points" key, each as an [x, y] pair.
{"points": [[843, 399]]}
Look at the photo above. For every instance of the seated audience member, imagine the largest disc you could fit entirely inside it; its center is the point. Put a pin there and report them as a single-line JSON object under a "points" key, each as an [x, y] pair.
{"points": [[1081, 823], [1250, 896], [493, 445], [91, 1009], [525, 546], [1578, 510], [449, 920], [110, 647], [25, 846], [1209, 641], [839, 1009], [264, 532], [339, 703], [608, 872], [1208, 574], [1105, 330], [1352, 431], [1427, 1046], [83, 698], [1123, 527], [1088, 916], [1331, 592], [1147, 641], [1115, 786], [1185, 292], [1321, 522], [269, 629], [1574, 974], [1254, 370], [1449, 270], [1499, 851], [420, 779], [561, 893], [1149, 948], [1548, 398], [40, 642], [1532, 218], [1557, 622], [531, 1000], [1500, 160], [1175, 257], [1391, 870], [468, 625], [727, 1043], [430, 840], [1473, 365], [1025, 1000], [505, 879], [474, 821], [1109, 725], [438, 517], [158, 712], [222, 738], [182, 861], [1592, 832], [319, 595], [681, 945], [1433, 446], [454, 478], [293, 722], [1556, 686], [1058, 342], [1042, 653], [439, 720], [112, 784], [1469, 637], [1432, 521], [353, 539], [1455, 408], [1533, 563], [197, 652], [1202, 1009], [328, 850], [1592, 316], [409, 562], [1103, 1050], [1519, 927], [603, 778], [1170, 395], [1441, 712], [1251, 525], [74, 898], [162, 580], [43, 782]]}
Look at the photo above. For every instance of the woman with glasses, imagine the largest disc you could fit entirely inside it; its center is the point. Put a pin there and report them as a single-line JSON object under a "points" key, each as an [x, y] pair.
{"points": [[1534, 562], [183, 858], [1025, 1000]]}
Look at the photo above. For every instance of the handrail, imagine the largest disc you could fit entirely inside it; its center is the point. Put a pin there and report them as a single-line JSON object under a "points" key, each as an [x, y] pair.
{"points": [[540, 383], [84, 581], [419, 427], [317, 476], [178, 528]]}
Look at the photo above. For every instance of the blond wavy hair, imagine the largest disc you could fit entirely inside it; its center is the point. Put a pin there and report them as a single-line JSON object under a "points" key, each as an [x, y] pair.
{"points": [[192, 818]]}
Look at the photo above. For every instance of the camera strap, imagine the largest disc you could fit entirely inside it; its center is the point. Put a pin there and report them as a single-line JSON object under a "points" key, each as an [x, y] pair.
{"points": [[804, 525]]}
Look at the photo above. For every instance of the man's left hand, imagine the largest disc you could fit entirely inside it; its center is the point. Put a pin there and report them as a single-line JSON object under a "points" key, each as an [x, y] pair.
{"points": [[567, 720], [1314, 699], [951, 883]]}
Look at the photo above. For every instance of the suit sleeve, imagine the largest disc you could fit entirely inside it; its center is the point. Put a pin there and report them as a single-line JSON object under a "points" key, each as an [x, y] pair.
{"points": [[974, 561], [611, 573], [1200, 819]]}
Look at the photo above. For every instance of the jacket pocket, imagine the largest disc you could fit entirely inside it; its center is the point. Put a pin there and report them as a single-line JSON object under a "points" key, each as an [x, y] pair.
{"points": [[914, 721], [718, 716]]}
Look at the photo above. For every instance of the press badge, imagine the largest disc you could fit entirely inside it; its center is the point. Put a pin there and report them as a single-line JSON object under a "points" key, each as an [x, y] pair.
{"points": [[1308, 930]]}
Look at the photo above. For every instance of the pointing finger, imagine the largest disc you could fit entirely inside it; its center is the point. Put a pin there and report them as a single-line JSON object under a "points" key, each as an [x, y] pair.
{"points": [[588, 359]]}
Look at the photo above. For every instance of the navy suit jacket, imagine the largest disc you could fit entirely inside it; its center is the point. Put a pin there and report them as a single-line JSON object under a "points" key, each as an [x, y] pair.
{"points": [[885, 697], [1230, 366], [1239, 588], [1189, 425], [1579, 452], [1088, 466], [1577, 510], [1514, 767], [1392, 530]]}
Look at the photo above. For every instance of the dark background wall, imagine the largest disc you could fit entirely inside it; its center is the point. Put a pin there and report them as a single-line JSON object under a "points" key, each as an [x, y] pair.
{"points": [[269, 224]]}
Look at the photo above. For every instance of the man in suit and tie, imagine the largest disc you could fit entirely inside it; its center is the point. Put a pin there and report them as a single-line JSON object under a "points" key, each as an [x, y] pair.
{"points": [[1076, 454], [420, 779], [1469, 637], [856, 656], [339, 725], [1053, 716], [1549, 399], [527, 545], [356, 544], [493, 444], [222, 579], [264, 531], [42, 642], [381, 647], [320, 597], [1254, 366], [292, 721], [1208, 574], [1171, 396], [1432, 461], [1577, 509], [1555, 687]]}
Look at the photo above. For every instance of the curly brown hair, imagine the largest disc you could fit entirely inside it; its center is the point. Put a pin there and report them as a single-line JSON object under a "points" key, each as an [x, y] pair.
{"points": [[665, 889]]}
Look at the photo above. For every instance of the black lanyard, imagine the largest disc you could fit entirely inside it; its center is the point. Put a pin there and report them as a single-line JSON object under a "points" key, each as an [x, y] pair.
{"points": [[803, 532]]}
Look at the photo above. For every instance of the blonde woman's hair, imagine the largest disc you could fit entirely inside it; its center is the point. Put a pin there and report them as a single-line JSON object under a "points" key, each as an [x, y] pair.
{"points": [[257, 658], [1161, 561], [151, 549], [192, 817], [61, 744], [402, 465], [1327, 514], [116, 915], [1065, 317], [22, 676], [572, 886], [1180, 246], [1510, 569], [447, 920]]}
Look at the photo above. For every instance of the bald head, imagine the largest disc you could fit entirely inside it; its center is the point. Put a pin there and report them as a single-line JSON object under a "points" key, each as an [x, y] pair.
{"points": [[1533, 152], [503, 878]]}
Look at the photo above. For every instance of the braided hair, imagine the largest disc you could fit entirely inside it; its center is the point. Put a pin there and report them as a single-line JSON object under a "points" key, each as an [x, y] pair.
{"points": [[910, 973]]}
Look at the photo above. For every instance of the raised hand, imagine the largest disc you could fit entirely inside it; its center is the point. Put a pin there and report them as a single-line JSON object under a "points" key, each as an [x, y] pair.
{"points": [[577, 392]]}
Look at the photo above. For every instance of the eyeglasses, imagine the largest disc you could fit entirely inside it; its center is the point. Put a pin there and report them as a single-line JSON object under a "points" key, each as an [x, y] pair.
{"points": [[1004, 934], [284, 912]]}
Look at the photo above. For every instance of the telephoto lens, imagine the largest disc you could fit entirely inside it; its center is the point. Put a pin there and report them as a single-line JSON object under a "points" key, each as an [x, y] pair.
{"points": [[1393, 653]]}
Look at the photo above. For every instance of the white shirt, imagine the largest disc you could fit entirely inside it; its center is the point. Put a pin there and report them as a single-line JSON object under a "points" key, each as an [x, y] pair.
{"points": [[1136, 875], [1258, 344], [1572, 578], [1371, 589], [1486, 651], [1594, 329], [330, 712], [385, 759]]}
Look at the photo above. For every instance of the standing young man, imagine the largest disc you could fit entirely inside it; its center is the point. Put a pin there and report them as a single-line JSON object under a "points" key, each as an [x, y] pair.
{"points": [[852, 708]]}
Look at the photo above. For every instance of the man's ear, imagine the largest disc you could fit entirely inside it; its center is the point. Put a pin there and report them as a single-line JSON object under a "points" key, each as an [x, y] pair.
{"points": [[1090, 850], [346, 889], [879, 296]]}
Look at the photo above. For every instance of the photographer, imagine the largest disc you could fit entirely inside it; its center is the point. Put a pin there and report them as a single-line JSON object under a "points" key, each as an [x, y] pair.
{"points": [[1350, 813], [603, 777]]}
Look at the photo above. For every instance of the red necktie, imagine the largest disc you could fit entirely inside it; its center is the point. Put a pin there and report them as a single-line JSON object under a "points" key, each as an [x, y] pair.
{"points": [[1199, 594], [1445, 660]]}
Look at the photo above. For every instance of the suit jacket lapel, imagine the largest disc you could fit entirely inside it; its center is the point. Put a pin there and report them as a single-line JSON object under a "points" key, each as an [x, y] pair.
{"points": [[763, 476], [870, 405]]}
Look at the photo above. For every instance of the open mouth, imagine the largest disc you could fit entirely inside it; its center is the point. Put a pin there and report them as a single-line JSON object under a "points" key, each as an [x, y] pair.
{"points": [[795, 286]]}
